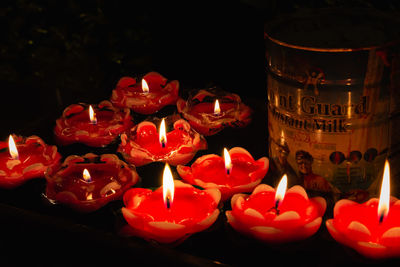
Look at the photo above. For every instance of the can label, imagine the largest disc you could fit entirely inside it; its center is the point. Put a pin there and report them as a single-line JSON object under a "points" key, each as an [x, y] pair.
{"points": [[329, 138]]}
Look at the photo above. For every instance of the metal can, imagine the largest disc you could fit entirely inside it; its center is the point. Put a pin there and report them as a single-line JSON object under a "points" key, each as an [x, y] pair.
{"points": [[333, 81]]}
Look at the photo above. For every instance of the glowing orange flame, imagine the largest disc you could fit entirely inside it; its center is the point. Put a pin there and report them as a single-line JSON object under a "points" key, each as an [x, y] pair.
{"points": [[217, 109], [168, 186], [162, 134], [384, 198], [281, 190], [145, 86], [86, 176], [12, 148], [92, 115], [228, 162]]}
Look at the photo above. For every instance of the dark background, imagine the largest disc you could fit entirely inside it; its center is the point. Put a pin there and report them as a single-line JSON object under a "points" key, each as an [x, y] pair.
{"points": [[56, 53]]}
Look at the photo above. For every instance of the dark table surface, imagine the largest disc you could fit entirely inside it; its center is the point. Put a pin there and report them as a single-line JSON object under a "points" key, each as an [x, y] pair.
{"points": [[56, 54]]}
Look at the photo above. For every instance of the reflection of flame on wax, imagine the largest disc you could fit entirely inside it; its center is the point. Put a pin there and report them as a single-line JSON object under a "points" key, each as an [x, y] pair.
{"points": [[384, 198], [86, 176], [12, 148], [145, 86], [217, 109], [162, 134], [228, 162], [280, 191], [89, 196], [168, 186], [92, 115]]}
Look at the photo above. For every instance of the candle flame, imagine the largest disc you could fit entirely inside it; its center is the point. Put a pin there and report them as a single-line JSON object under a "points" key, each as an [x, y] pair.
{"points": [[145, 86], [217, 109], [86, 176], [92, 115], [384, 198], [162, 134], [281, 190], [168, 186], [228, 162], [12, 148]]}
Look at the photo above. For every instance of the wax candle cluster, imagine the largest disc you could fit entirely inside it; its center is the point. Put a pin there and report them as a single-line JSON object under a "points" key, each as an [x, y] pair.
{"points": [[180, 208]]}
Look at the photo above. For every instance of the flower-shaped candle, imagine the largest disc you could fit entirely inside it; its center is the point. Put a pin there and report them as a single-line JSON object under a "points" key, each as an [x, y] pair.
{"points": [[96, 126], [371, 228], [275, 216], [211, 110], [171, 213], [145, 144], [148, 96], [87, 183], [24, 158], [236, 172]]}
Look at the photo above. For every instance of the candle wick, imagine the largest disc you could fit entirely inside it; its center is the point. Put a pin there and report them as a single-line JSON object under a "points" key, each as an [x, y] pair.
{"points": [[276, 206], [168, 203], [162, 144], [228, 171], [381, 217]]}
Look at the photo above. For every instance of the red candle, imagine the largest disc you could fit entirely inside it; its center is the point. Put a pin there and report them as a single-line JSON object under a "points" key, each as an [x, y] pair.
{"points": [[95, 126], [87, 183], [371, 228], [209, 111], [24, 158], [274, 216], [145, 143], [148, 96], [171, 213], [237, 172]]}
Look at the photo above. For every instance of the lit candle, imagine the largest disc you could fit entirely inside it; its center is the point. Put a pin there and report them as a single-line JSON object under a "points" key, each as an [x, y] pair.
{"points": [[92, 115], [171, 213], [143, 144], [371, 228], [236, 172], [217, 108], [87, 183], [276, 216], [162, 134], [148, 97], [209, 117], [25, 158], [104, 126], [168, 187], [227, 162], [145, 86]]}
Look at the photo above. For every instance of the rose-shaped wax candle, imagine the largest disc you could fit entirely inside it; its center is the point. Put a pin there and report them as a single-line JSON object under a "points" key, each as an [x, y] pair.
{"points": [[237, 172], [95, 126], [24, 158], [87, 183], [275, 216], [211, 110], [145, 144], [171, 213], [371, 228], [148, 96]]}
